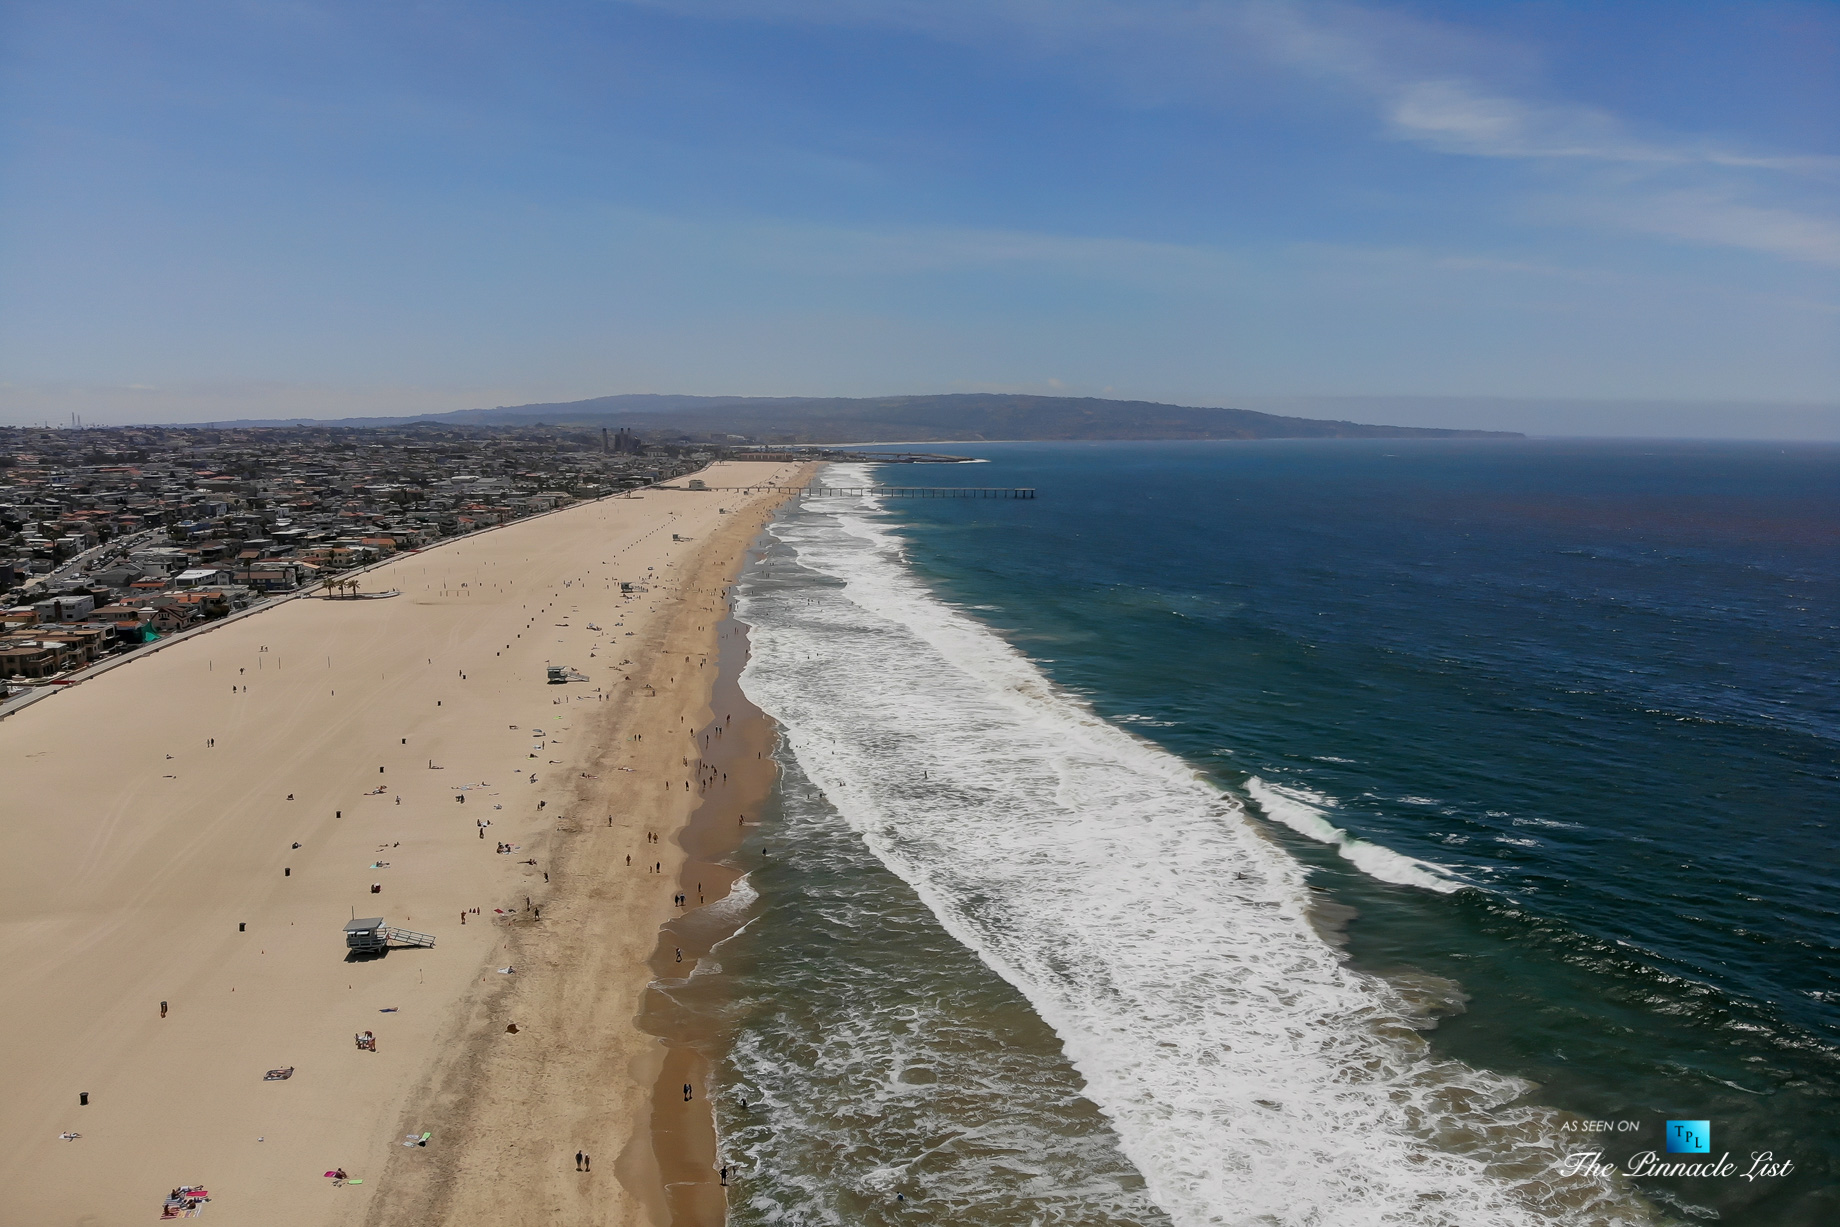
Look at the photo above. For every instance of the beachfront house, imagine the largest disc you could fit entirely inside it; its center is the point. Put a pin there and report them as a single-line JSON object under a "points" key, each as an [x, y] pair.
{"points": [[70, 608], [279, 576], [31, 658], [171, 619], [129, 620], [196, 577]]}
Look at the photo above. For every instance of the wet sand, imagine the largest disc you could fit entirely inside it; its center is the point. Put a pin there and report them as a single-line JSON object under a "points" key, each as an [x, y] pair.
{"points": [[736, 752], [129, 873]]}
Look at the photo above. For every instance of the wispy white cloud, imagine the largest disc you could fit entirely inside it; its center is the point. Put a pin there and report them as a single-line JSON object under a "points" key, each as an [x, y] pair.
{"points": [[1719, 218], [1211, 271], [1672, 185], [1454, 117], [1428, 83]]}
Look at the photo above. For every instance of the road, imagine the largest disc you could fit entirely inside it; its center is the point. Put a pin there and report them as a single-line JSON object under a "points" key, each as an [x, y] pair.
{"points": [[117, 547]]}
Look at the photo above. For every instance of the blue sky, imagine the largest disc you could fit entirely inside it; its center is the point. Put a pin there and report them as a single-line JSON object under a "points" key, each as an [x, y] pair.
{"points": [[217, 209]]}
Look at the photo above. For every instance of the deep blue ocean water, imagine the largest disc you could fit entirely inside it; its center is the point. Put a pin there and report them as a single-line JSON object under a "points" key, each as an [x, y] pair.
{"points": [[1558, 720]]}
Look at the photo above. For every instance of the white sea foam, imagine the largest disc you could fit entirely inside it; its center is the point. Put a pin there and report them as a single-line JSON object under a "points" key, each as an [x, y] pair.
{"points": [[1251, 1076], [1541, 822], [740, 898], [1302, 811], [878, 1071]]}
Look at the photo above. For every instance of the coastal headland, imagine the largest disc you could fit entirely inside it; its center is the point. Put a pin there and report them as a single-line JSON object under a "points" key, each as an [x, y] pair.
{"points": [[189, 835]]}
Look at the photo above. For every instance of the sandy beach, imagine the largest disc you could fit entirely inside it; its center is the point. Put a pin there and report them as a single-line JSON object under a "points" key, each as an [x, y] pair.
{"points": [[189, 834]]}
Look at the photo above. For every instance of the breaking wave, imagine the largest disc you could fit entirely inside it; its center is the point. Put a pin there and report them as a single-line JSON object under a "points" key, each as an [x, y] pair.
{"points": [[1251, 1076]]}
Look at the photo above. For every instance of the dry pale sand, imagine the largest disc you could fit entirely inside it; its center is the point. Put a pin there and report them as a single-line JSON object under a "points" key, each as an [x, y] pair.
{"points": [[133, 852]]}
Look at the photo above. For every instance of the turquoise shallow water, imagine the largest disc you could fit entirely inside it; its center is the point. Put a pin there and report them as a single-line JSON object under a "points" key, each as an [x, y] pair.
{"points": [[1557, 720]]}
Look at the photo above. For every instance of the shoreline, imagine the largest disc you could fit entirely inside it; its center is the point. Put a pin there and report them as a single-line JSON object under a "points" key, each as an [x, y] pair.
{"points": [[740, 739]]}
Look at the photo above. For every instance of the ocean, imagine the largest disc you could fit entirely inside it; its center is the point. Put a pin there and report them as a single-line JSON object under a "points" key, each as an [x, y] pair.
{"points": [[1294, 832]]}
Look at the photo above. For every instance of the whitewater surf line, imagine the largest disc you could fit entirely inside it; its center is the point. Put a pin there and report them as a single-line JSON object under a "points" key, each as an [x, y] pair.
{"points": [[1302, 811], [1251, 1076]]}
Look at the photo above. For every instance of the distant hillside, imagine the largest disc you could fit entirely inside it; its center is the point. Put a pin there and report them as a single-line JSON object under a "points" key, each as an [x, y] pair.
{"points": [[905, 419]]}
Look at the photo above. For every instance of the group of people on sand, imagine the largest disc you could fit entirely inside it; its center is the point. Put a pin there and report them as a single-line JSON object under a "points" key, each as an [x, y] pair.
{"points": [[183, 1201]]}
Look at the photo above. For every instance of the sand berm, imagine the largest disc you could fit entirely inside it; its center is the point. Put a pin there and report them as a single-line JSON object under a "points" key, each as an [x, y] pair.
{"points": [[196, 828]]}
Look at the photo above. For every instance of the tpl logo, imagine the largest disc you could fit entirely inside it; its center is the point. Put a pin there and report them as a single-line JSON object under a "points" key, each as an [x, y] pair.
{"points": [[1689, 1137]]}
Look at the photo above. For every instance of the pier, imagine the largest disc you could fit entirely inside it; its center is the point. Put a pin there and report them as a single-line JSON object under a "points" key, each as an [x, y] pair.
{"points": [[817, 491]]}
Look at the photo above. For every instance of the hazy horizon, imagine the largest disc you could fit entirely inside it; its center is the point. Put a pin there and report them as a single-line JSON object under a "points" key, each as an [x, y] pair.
{"points": [[1580, 418]]}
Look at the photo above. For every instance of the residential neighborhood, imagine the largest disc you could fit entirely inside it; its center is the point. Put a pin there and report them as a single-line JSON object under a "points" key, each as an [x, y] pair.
{"points": [[116, 537]]}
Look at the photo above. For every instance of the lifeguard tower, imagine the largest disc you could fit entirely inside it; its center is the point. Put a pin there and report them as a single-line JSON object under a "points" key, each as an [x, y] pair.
{"points": [[373, 936]]}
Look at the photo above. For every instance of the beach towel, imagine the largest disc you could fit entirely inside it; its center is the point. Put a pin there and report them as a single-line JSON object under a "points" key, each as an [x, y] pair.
{"points": [[190, 1204]]}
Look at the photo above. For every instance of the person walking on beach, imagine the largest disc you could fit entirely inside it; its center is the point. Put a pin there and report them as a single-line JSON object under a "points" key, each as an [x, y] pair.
{"points": [[578, 1160], [587, 1163]]}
